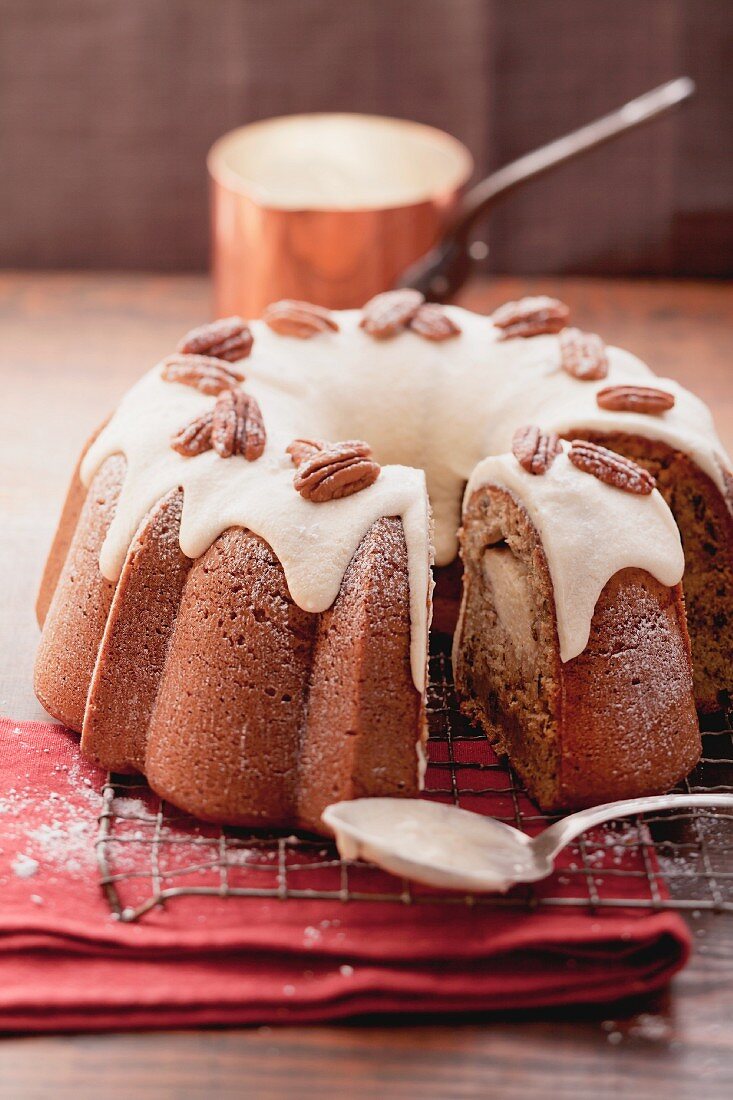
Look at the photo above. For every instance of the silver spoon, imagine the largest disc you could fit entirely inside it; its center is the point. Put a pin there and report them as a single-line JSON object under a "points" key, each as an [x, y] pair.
{"points": [[440, 273], [441, 845]]}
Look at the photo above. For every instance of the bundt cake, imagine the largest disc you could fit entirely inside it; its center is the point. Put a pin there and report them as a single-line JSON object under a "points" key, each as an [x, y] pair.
{"points": [[237, 600]]}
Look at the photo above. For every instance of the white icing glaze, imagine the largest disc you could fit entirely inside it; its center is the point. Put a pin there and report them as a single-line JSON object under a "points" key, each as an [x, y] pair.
{"points": [[445, 406], [423, 406], [314, 542], [589, 531]]}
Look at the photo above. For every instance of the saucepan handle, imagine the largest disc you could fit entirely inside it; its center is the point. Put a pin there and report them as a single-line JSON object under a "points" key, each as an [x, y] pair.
{"points": [[439, 274]]}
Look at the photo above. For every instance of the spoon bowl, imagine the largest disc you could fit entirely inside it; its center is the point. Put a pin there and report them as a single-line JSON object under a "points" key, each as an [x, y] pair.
{"points": [[435, 844], [453, 849]]}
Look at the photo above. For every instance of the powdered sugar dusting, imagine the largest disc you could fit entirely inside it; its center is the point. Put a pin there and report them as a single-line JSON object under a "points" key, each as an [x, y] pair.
{"points": [[52, 832], [24, 866], [133, 809], [65, 842]]}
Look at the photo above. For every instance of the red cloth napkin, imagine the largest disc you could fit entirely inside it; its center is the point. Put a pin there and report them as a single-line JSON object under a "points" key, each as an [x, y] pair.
{"points": [[67, 963]]}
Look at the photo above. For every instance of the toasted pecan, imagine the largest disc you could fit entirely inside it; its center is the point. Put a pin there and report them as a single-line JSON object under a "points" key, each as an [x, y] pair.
{"points": [[209, 376], [535, 450], [533, 316], [302, 319], [336, 471], [432, 322], [639, 399], [389, 313], [238, 427], [229, 338], [195, 437], [300, 449], [583, 355], [611, 468]]}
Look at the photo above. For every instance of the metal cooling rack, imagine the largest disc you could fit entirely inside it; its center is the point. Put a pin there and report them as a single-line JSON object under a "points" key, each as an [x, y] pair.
{"points": [[149, 853]]}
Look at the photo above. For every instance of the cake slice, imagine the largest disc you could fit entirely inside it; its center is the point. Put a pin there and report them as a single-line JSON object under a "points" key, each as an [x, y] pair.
{"points": [[572, 650]]}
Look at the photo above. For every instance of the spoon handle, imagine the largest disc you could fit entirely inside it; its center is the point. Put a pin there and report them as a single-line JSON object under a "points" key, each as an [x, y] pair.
{"points": [[628, 117], [559, 835]]}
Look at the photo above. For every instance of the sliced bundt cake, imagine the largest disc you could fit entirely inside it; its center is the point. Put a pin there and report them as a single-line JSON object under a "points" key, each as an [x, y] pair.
{"points": [[238, 598]]}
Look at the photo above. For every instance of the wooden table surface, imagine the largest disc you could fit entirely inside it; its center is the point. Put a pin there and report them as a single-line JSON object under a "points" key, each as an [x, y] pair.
{"points": [[71, 344]]}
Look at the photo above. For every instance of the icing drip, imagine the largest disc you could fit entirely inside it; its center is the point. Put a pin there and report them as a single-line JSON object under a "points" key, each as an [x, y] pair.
{"points": [[588, 531], [314, 542], [422, 406]]}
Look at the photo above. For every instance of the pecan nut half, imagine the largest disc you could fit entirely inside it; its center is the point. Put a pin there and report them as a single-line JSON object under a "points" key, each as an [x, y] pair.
{"points": [[389, 313], [229, 338], [238, 427], [336, 471], [535, 450], [300, 449], [639, 399], [194, 438], [301, 319], [209, 376], [611, 468], [432, 322], [583, 355], [530, 317]]}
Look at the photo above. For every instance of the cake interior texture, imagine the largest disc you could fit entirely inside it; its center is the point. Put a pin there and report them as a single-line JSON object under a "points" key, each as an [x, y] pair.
{"points": [[237, 601]]}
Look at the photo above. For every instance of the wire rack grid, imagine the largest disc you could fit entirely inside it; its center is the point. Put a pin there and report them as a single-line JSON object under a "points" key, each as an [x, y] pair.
{"points": [[149, 853]]}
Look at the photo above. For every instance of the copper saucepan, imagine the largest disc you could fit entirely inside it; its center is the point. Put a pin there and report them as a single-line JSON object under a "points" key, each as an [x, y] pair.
{"points": [[334, 208]]}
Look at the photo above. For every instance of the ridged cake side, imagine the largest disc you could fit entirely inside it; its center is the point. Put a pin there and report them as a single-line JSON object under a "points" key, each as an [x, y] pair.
{"points": [[204, 675], [133, 650], [80, 601]]}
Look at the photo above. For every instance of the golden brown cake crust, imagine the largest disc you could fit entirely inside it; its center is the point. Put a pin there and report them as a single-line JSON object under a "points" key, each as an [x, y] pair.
{"points": [[615, 722], [75, 497], [133, 649], [364, 712], [628, 718], [223, 739], [78, 610]]}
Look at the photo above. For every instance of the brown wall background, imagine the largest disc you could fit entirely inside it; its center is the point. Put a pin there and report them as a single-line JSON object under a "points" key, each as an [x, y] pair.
{"points": [[107, 109]]}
